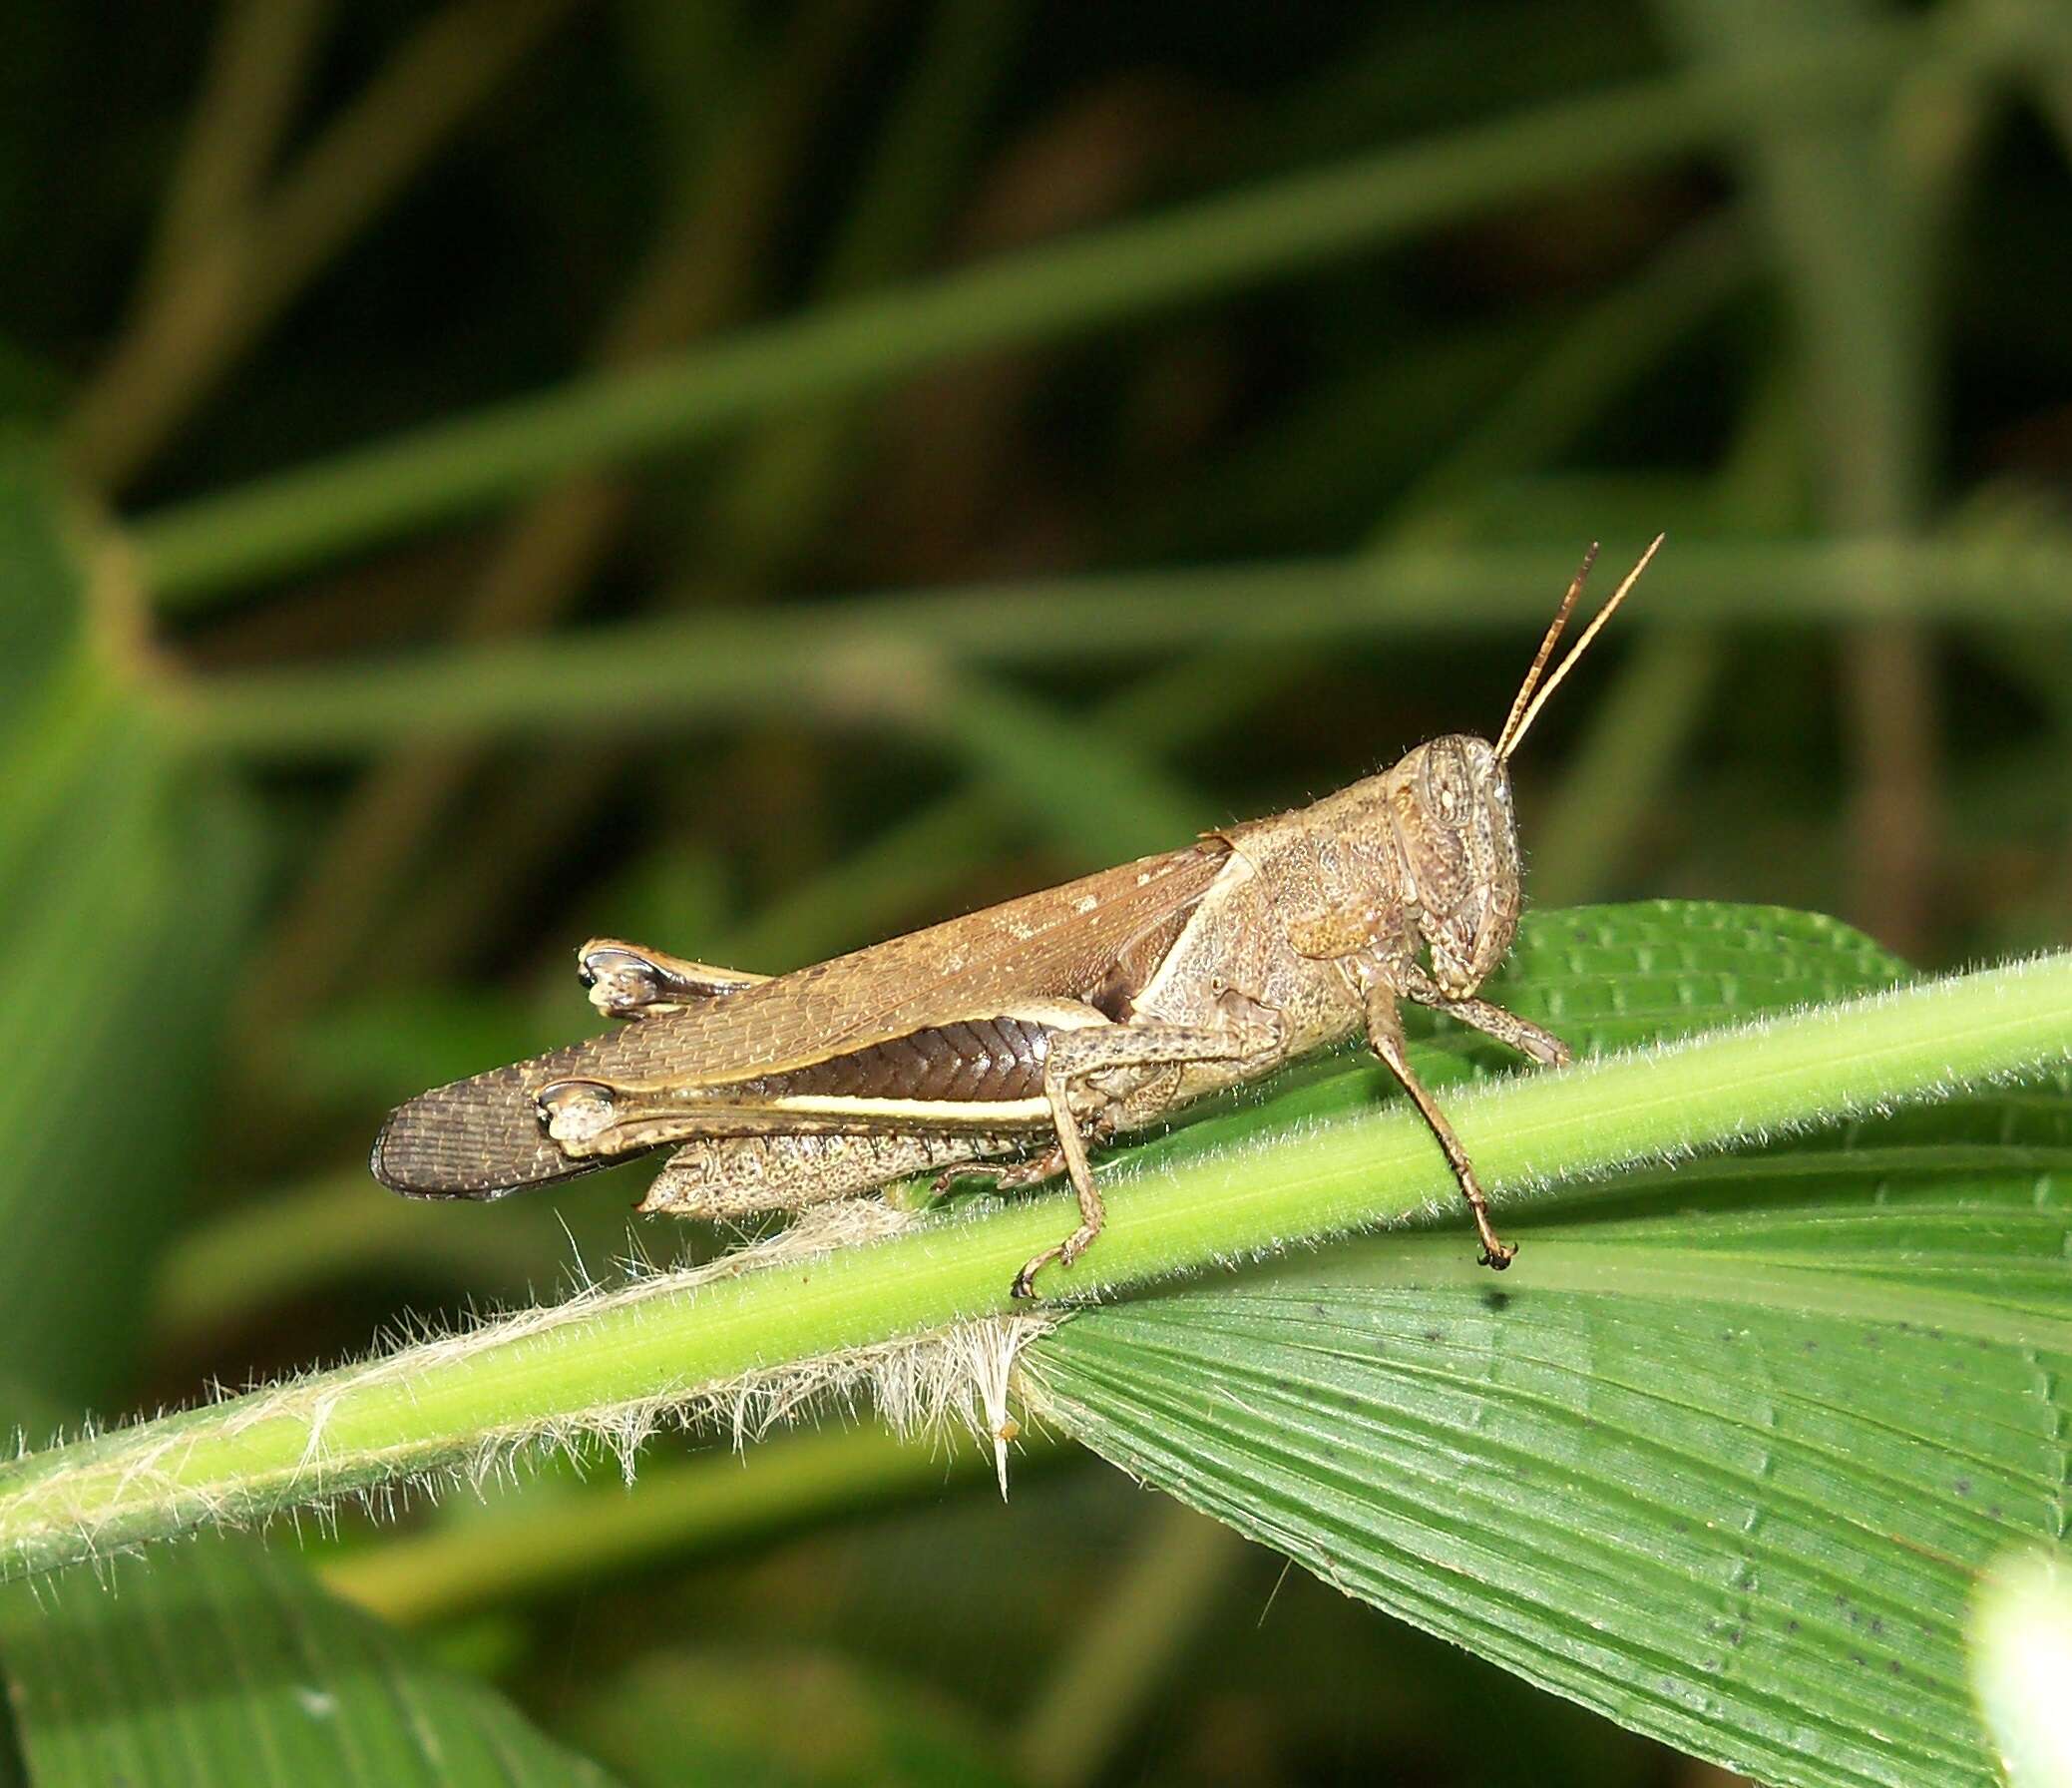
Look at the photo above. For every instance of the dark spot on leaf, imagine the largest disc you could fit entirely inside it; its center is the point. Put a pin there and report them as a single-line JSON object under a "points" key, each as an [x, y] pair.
{"points": [[1495, 1300], [1434, 1336], [1856, 1659], [1791, 1627], [1893, 1666], [1963, 1486]]}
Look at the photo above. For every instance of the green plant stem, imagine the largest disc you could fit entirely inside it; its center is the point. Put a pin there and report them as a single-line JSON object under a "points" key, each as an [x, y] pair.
{"points": [[1125, 1648], [224, 293], [257, 62], [299, 1239], [848, 657], [600, 1362], [1213, 247], [907, 867], [1631, 751], [1849, 246], [532, 1546]]}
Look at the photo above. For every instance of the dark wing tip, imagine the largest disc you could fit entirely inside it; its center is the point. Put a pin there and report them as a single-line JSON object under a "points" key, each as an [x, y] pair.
{"points": [[474, 1139], [401, 1163]]}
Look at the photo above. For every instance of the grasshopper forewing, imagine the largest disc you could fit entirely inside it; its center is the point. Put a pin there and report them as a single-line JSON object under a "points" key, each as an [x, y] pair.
{"points": [[1016, 1035], [718, 1054]]}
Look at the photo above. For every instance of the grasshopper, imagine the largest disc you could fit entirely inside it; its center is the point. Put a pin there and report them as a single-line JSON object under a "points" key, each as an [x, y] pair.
{"points": [[1034, 1029]]}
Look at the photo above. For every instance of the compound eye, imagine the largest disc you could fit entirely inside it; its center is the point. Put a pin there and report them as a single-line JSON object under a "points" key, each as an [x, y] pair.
{"points": [[1446, 778]]}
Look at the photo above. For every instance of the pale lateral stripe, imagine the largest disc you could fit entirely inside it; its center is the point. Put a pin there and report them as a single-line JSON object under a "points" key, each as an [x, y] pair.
{"points": [[921, 1111]]}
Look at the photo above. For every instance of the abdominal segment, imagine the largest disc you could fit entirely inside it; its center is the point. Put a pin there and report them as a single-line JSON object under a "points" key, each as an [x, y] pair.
{"points": [[986, 1061]]}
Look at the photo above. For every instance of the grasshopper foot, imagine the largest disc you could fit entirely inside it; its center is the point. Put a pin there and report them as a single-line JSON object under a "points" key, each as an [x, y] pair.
{"points": [[1064, 1253], [1496, 1254]]}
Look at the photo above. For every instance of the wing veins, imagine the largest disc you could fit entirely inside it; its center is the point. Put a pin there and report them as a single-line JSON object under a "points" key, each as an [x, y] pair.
{"points": [[1048, 946]]}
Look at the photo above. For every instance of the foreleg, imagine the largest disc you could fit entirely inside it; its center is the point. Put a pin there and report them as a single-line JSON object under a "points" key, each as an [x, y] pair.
{"points": [[1385, 1034]]}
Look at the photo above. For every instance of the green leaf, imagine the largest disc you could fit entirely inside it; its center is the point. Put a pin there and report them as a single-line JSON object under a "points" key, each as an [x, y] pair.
{"points": [[1723, 1453], [126, 877], [221, 1664], [40, 615]]}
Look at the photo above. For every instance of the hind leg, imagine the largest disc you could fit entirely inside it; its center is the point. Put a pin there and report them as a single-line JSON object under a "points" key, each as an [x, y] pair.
{"points": [[826, 1182], [724, 1177]]}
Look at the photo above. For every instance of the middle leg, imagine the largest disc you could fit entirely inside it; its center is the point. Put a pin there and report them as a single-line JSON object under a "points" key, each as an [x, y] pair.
{"points": [[1078, 1056], [1507, 1027]]}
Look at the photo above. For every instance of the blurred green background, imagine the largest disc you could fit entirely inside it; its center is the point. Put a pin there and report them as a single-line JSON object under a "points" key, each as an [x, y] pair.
{"points": [[755, 479]]}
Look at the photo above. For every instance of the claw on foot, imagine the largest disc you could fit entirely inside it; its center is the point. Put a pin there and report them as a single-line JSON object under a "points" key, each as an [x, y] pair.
{"points": [[1064, 1253]]}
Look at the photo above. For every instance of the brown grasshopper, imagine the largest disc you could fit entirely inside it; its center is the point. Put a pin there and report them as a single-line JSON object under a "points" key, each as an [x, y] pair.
{"points": [[1035, 1027]]}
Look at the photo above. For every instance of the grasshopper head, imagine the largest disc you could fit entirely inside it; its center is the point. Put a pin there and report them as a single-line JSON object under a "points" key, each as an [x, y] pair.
{"points": [[1456, 818], [1462, 838]]}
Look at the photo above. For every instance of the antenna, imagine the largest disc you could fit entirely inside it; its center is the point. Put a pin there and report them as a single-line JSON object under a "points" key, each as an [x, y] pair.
{"points": [[1546, 650], [1533, 694]]}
